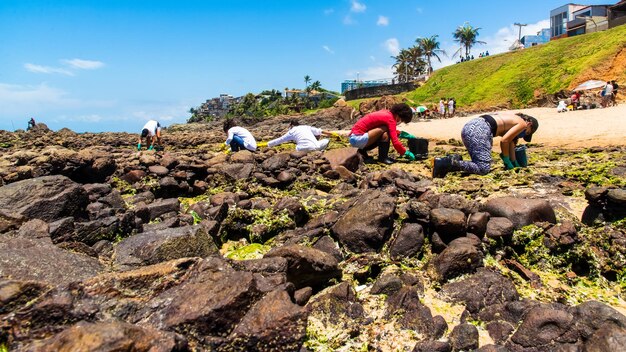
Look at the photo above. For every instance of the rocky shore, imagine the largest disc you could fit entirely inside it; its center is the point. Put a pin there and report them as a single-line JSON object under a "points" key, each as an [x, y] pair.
{"points": [[106, 248]]}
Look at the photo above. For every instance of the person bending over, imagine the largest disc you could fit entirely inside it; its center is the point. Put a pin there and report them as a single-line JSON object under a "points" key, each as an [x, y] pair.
{"points": [[477, 137], [238, 138], [152, 133], [304, 136], [378, 129]]}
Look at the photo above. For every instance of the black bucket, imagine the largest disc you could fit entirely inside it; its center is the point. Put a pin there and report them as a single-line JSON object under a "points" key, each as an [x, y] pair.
{"points": [[419, 147], [520, 155]]}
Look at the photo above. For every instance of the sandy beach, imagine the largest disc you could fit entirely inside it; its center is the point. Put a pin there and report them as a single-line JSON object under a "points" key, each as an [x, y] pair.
{"points": [[572, 129]]}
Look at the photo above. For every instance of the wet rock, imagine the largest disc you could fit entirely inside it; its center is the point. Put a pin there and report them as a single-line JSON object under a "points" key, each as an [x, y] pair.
{"points": [[608, 338], [367, 224], [595, 194], [294, 209], [432, 346], [276, 163], [418, 211], [345, 157], [408, 242], [47, 198], [440, 326], [499, 331], [543, 327], [500, 229], [480, 290], [616, 197], [134, 176], [229, 198], [448, 223], [285, 177], [159, 246], [477, 223], [337, 305], [324, 220], [110, 336], [460, 257], [40, 260], [158, 170], [414, 189], [328, 245], [307, 266], [160, 207], [242, 156], [464, 337], [459, 202], [520, 212], [91, 232], [386, 284], [590, 316], [562, 235], [273, 323], [236, 171], [416, 315], [15, 294]]}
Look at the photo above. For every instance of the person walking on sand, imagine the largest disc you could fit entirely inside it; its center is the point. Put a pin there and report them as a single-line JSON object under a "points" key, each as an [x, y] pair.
{"points": [[451, 107], [477, 136], [238, 138], [304, 136], [379, 129], [152, 133]]}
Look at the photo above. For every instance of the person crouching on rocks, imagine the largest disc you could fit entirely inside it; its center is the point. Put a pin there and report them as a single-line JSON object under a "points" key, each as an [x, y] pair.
{"points": [[238, 138], [477, 137], [304, 136], [378, 129], [152, 133]]}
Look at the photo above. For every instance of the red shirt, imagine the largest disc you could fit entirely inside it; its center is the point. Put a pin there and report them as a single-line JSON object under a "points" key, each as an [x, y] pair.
{"points": [[379, 119]]}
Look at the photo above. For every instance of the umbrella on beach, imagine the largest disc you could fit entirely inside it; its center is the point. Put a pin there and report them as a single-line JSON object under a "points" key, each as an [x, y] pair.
{"points": [[420, 109], [590, 84]]}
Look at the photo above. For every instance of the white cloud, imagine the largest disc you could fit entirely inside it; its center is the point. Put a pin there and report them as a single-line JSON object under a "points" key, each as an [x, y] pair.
{"points": [[93, 118], [382, 21], [329, 50], [83, 64], [329, 11], [372, 73], [14, 97], [174, 112], [46, 69], [357, 7], [393, 46]]}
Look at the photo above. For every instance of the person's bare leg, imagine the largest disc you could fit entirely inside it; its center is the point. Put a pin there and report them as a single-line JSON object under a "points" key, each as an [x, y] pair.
{"points": [[376, 135]]}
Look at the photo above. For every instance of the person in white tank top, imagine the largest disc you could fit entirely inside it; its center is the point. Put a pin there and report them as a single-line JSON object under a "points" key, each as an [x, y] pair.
{"points": [[304, 136], [152, 133]]}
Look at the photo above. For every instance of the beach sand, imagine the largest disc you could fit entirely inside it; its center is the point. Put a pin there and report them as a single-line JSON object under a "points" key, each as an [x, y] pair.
{"points": [[570, 130]]}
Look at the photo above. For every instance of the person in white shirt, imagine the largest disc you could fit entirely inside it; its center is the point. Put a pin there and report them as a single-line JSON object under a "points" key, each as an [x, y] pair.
{"points": [[152, 133], [608, 94], [451, 107], [238, 138], [304, 136]]}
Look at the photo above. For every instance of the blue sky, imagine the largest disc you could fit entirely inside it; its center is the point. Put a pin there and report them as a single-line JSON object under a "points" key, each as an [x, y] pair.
{"points": [[111, 65]]}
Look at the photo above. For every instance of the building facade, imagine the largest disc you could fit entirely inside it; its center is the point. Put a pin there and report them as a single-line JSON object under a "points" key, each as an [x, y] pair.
{"points": [[617, 14], [354, 84], [559, 18], [542, 37]]}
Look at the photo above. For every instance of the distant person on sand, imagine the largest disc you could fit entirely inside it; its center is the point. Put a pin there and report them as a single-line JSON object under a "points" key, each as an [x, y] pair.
{"points": [[607, 94], [615, 87], [451, 107], [576, 100], [304, 136], [442, 107], [31, 124], [378, 129], [478, 136], [152, 133], [238, 138]]}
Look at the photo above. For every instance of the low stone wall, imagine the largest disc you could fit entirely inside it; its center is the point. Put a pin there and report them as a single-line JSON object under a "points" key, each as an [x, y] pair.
{"points": [[369, 92]]}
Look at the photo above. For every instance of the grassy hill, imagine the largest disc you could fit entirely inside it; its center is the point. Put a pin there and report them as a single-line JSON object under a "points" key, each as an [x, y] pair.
{"points": [[526, 77]]}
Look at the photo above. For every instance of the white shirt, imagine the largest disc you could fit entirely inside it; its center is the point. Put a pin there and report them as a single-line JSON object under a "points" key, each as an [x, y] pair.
{"points": [[608, 89], [152, 127], [304, 136], [248, 140]]}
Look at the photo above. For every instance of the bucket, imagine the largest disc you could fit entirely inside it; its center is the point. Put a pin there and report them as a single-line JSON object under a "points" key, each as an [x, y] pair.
{"points": [[419, 147], [520, 155]]}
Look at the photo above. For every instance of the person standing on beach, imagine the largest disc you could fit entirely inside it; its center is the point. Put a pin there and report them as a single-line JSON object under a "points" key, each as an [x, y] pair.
{"points": [[451, 107], [614, 97], [607, 94], [304, 136], [379, 129], [477, 137], [442, 107], [152, 133], [238, 138]]}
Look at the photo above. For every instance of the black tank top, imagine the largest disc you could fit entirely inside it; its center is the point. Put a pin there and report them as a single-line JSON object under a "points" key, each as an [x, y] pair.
{"points": [[492, 123]]}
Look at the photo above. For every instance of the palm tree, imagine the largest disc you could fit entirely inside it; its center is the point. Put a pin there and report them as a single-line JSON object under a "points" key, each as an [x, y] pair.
{"points": [[307, 79], [466, 35], [409, 63], [430, 47], [316, 85]]}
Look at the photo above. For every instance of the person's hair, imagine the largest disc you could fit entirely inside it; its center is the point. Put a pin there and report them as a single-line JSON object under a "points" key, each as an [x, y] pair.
{"points": [[229, 123], [144, 132], [294, 123], [533, 121], [403, 111]]}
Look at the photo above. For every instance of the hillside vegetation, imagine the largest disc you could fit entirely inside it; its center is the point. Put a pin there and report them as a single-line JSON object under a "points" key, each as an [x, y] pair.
{"points": [[526, 77]]}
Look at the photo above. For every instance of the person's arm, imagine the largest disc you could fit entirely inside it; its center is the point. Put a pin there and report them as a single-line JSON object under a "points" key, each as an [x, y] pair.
{"points": [[393, 135], [509, 136], [280, 140]]}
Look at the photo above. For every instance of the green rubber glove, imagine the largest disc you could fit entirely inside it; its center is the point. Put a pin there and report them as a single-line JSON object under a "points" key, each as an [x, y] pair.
{"points": [[405, 135], [151, 147], [409, 155], [508, 165], [138, 146], [515, 163]]}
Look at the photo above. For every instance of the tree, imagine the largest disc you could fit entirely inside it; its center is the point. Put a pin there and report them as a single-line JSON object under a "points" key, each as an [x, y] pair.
{"points": [[316, 85], [466, 36], [409, 63], [307, 79], [430, 48]]}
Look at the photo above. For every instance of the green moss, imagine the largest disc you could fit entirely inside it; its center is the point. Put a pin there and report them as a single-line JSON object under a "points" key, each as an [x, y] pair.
{"points": [[243, 251], [124, 187]]}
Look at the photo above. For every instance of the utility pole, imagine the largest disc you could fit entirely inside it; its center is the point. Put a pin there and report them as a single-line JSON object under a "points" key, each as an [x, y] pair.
{"points": [[520, 25]]}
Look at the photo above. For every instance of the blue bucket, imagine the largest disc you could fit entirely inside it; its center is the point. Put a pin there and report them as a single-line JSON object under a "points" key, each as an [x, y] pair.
{"points": [[520, 155]]}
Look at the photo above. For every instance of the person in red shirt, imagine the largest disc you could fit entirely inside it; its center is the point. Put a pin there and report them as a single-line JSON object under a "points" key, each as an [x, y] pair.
{"points": [[576, 100], [378, 129]]}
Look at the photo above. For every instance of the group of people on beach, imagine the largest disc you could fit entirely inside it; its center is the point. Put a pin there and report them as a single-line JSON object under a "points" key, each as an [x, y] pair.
{"points": [[447, 107], [379, 130]]}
